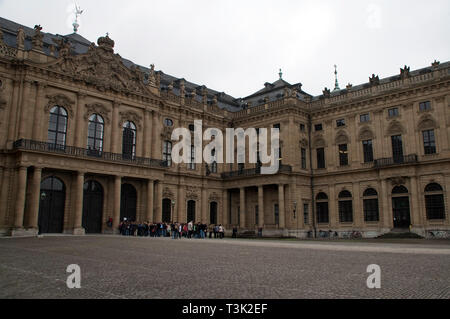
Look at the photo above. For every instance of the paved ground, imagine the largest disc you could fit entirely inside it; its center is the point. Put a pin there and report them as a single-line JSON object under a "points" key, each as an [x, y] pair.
{"points": [[117, 267]]}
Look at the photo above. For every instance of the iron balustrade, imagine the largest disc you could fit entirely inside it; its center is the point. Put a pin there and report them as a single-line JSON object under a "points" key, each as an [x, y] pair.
{"points": [[86, 153], [253, 172], [409, 159]]}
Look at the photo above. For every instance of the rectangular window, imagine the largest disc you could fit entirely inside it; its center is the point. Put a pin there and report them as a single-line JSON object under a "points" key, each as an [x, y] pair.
{"points": [[278, 126], [303, 158], [429, 142], [346, 211], [371, 213], [397, 148], [425, 106], [167, 153], [276, 209], [320, 158], [306, 213], [365, 118], [393, 112], [318, 127], [302, 127], [340, 123], [343, 155], [191, 165], [368, 151]]}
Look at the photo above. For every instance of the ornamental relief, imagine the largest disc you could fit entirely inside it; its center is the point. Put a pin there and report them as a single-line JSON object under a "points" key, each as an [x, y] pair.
{"points": [[395, 127], [427, 122], [342, 138], [59, 100], [192, 193], [102, 68], [167, 193], [130, 116], [97, 108], [214, 197], [365, 134]]}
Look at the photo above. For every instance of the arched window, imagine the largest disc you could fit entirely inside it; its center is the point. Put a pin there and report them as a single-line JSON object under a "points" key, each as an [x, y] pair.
{"points": [[129, 140], [434, 202], [168, 122], [167, 153], [371, 211], [95, 134], [400, 190], [57, 129], [322, 208], [345, 207]]}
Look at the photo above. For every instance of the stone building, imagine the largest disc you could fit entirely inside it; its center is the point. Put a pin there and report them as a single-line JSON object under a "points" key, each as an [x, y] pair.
{"points": [[85, 138]]}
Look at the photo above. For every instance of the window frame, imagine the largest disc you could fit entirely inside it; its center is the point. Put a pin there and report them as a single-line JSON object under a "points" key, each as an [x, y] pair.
{"points": [[59, 113]]}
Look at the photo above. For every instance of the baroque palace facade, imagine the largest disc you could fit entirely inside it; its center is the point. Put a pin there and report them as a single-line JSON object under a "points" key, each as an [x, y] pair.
{"points": [[85, 142]]}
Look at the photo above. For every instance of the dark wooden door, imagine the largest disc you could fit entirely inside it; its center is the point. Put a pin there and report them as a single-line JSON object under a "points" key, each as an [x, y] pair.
{"points": [[128, 203], [213, 213], [167, 210], [402, 217], [93, 207], [51, 206], [191, 211]]}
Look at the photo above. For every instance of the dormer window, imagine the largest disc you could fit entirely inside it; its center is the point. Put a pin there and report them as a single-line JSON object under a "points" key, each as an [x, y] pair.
{"points": [[340, 123]]}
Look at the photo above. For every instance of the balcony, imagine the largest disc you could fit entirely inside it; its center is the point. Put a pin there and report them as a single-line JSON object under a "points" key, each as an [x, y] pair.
{"points": [[253, 172], [385, 162], [78, 152]]}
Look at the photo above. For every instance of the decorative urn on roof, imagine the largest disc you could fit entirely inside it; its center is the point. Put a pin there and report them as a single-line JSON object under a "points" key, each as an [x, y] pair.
{"points": [[106, 43]]}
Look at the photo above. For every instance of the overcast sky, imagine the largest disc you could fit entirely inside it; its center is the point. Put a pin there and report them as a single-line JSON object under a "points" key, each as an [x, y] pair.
{"points": [[235, 46]]}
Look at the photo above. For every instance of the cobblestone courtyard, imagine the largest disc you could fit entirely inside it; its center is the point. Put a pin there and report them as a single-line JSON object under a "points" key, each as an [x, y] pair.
{"points": [[117, 267]]}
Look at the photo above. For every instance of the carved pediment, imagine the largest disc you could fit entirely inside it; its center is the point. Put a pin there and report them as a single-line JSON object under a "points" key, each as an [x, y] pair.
{"points": [[341, 138], [365, 134], [167, 193], [319, 142], [59, 100], [130, 116], [192, 193], [395, 127], [97, 108], [101, 68], [427, 122]]}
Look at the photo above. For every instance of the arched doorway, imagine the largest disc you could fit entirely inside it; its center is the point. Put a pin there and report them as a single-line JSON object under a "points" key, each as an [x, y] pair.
{"points": [[213, 213], [400, 207], [167, 210], [128, 202], [92, 207], [191, 211], [51, 206]]}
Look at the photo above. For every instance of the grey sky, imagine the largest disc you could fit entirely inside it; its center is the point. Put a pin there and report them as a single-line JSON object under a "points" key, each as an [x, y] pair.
{"points": [[235, 46]]}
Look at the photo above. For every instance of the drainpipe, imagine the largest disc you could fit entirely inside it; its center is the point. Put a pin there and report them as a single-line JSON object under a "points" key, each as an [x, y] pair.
{"points": [[313, 204]]}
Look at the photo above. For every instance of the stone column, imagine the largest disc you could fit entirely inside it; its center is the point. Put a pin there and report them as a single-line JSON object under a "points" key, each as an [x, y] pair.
{"points": [[159, 191], [225, 208], [260, 206], [148, 134], [78, 225], [24, 112], [150, 194], [35, 198], [115, 128], [357, 210], [333, 208], [20, 197], [204, 206], [38, 112], [416, 219], [13, 114], [180, 204], [156, 138], [281, 207], [116, 208], [385, 210], [242, 208], [79, 121]]}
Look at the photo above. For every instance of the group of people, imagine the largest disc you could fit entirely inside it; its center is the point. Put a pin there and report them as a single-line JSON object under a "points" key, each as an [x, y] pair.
{"points": [[174, 230]]}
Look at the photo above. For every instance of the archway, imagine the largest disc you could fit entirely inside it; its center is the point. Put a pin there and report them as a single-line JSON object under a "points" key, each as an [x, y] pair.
{"points": [[51, 206], [213, 213], [400, 207], [167, 210], [191, 211], [128, 202], [92, 207]]}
